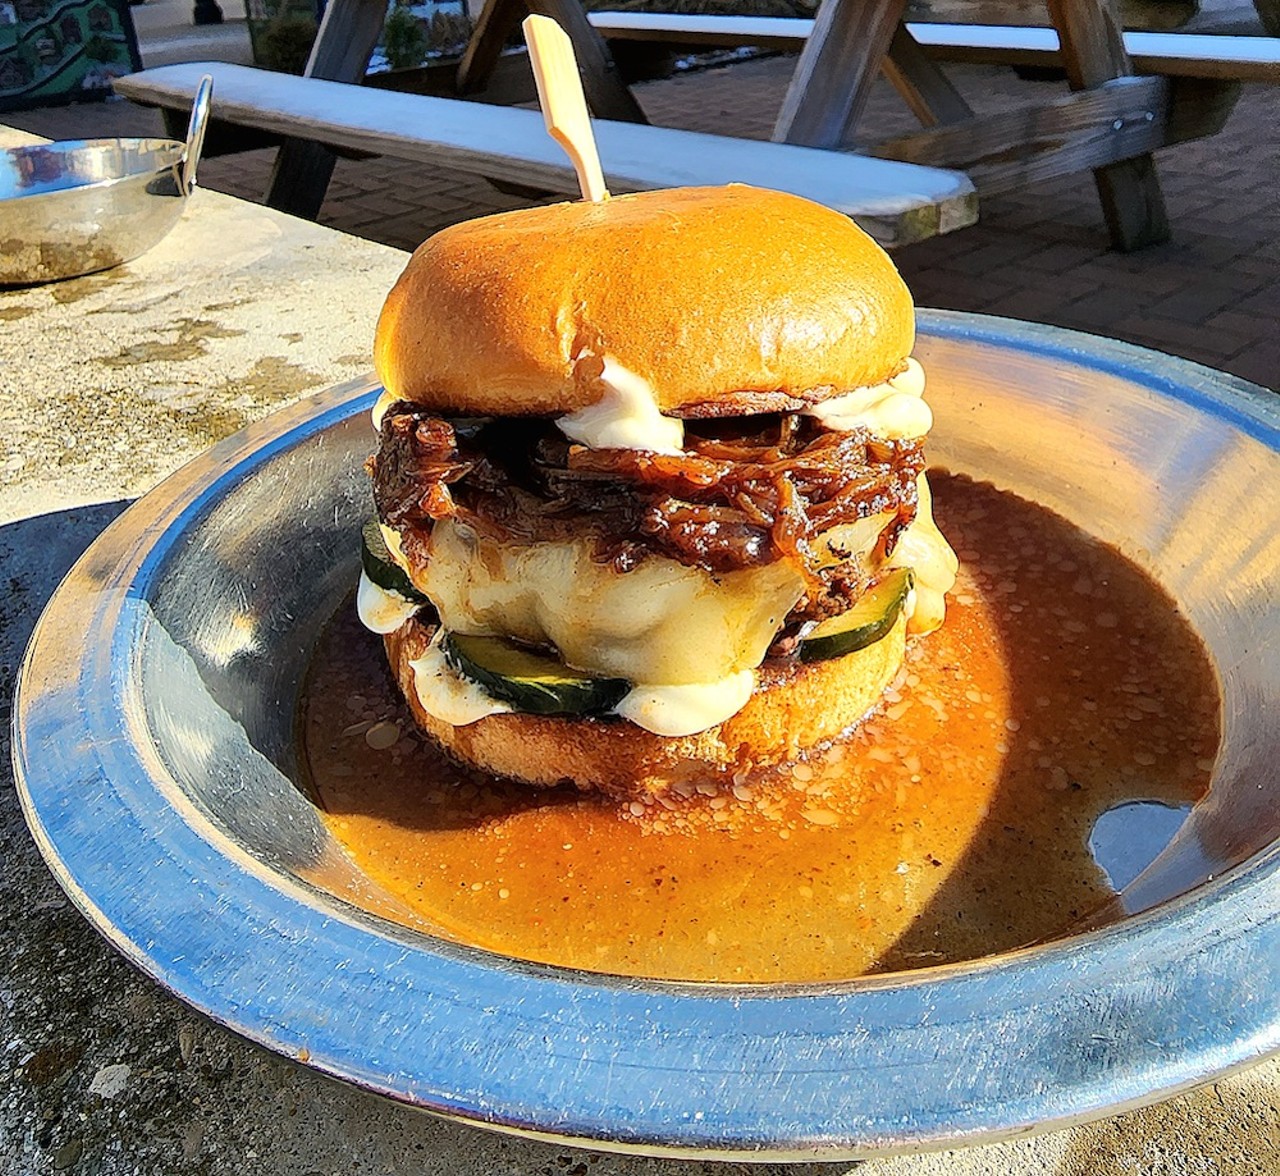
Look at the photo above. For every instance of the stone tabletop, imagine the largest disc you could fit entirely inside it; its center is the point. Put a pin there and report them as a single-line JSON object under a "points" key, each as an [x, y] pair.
{"points": [[108, 383]]}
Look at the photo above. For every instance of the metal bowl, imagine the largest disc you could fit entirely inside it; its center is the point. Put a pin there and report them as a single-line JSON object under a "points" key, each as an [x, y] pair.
{"points": [[157, 766], [79, 206]]}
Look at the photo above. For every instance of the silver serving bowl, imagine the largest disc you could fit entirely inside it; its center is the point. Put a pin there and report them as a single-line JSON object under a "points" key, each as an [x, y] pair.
{"points": [[158, 770], [79, 206]]}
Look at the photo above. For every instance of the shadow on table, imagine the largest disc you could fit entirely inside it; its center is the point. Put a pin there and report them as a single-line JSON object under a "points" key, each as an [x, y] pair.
{"points": [[35, 554]]}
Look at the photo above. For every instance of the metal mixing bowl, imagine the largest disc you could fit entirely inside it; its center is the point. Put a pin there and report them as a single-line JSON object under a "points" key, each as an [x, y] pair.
{"points": [[79, 206], [158, 768]]}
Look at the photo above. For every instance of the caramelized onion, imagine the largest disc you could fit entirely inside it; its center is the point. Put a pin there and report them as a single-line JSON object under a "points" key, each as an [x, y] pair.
{"points": [[745, 492]]}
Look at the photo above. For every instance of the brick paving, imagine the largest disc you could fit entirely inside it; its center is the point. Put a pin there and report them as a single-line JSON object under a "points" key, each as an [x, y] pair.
{"points": [[1212, 294]]}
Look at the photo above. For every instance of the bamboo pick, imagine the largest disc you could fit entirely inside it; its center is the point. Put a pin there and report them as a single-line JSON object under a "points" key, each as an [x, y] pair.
{"points": [[564, 107]]}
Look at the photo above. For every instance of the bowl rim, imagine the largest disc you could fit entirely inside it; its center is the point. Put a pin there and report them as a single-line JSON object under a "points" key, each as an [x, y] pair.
{"points": [[69, 146], [658, 1067]]}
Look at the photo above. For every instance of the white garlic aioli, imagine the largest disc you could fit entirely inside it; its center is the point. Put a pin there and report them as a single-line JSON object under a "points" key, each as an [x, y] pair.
{"points": [[924, 549], [380, 406], [686, 710], [447, 695], [381, 610], [894, 410], [625, 417], [690, 642]]}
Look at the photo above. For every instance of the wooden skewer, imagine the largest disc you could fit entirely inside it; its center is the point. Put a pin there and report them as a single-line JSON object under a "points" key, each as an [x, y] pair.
{"points": [[564, 107]]}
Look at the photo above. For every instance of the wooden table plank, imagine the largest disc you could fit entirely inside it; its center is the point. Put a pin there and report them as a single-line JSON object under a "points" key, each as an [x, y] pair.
{"points": [[608, 96], [1010, 149], [496, 23], [1269, 14], [1133, 14]]}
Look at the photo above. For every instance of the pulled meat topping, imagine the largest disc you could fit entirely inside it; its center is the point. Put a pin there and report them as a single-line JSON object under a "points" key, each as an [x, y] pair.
{"points": [[746, 492]]}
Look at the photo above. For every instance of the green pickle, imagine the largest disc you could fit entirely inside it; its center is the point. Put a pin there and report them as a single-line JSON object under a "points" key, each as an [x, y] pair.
{"points": [[381, 568], [531, 682], [867, 622]]}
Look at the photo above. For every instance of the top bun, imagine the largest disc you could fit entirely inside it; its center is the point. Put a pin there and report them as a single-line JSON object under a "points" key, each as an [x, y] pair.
{"points": [[726, 300]]}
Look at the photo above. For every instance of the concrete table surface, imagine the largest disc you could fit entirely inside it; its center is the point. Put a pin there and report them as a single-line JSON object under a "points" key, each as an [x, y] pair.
{"points": [[107, 383]]}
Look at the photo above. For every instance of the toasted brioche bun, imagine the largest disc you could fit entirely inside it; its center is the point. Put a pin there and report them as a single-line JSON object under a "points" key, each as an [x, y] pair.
{"points": [[793, 710], [726, 300]]}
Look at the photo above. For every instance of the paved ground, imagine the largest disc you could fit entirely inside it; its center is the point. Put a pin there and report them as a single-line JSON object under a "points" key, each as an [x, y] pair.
{"points": [[1212, 294]]}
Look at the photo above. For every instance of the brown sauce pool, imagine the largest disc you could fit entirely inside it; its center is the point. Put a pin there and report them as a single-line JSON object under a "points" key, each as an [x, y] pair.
{"points": [[953, 824]]}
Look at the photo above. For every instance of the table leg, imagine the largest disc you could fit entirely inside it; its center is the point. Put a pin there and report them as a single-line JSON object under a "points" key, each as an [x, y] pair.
{"points": [[496, 24], [1269, 13], [347, 36], [836, 70], [608, 96], [922, 84], [1093, 52]]}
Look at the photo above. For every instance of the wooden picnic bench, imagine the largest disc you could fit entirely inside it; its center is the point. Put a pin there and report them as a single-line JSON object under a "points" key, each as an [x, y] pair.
{"points": [[1171, 54], [895, 202], [1134, 91], [1184, 86]]}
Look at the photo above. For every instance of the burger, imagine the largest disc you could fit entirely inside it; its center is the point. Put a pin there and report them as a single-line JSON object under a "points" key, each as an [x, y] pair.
{"points": [[650, 487]]}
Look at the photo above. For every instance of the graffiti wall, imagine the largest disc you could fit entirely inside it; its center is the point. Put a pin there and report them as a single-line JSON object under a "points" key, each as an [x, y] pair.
{"points": [[54, 51]]}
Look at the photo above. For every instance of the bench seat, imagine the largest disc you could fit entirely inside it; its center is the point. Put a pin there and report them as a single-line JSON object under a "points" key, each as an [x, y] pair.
{"points": [[1233, 58], [895, 202]]}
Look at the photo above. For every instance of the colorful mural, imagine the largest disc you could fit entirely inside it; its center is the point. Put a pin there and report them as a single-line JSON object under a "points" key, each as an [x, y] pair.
{"points": [[54, 51]]}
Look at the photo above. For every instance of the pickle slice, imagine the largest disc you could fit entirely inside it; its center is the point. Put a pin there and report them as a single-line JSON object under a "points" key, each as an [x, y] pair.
{"points": [[381, 568], [868, 621], [531, 682]]}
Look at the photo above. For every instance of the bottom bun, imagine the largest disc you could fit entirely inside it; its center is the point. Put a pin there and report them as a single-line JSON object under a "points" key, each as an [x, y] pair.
{"points": [[794, 709]]}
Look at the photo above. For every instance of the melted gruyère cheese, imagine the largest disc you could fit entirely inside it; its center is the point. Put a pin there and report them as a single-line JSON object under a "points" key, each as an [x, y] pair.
{"points": [[689, 641], [661, 623]]}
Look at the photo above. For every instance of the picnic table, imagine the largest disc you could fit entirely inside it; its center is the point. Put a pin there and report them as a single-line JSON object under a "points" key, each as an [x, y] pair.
{"points": [[1126, 101], [1110, 123]]}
